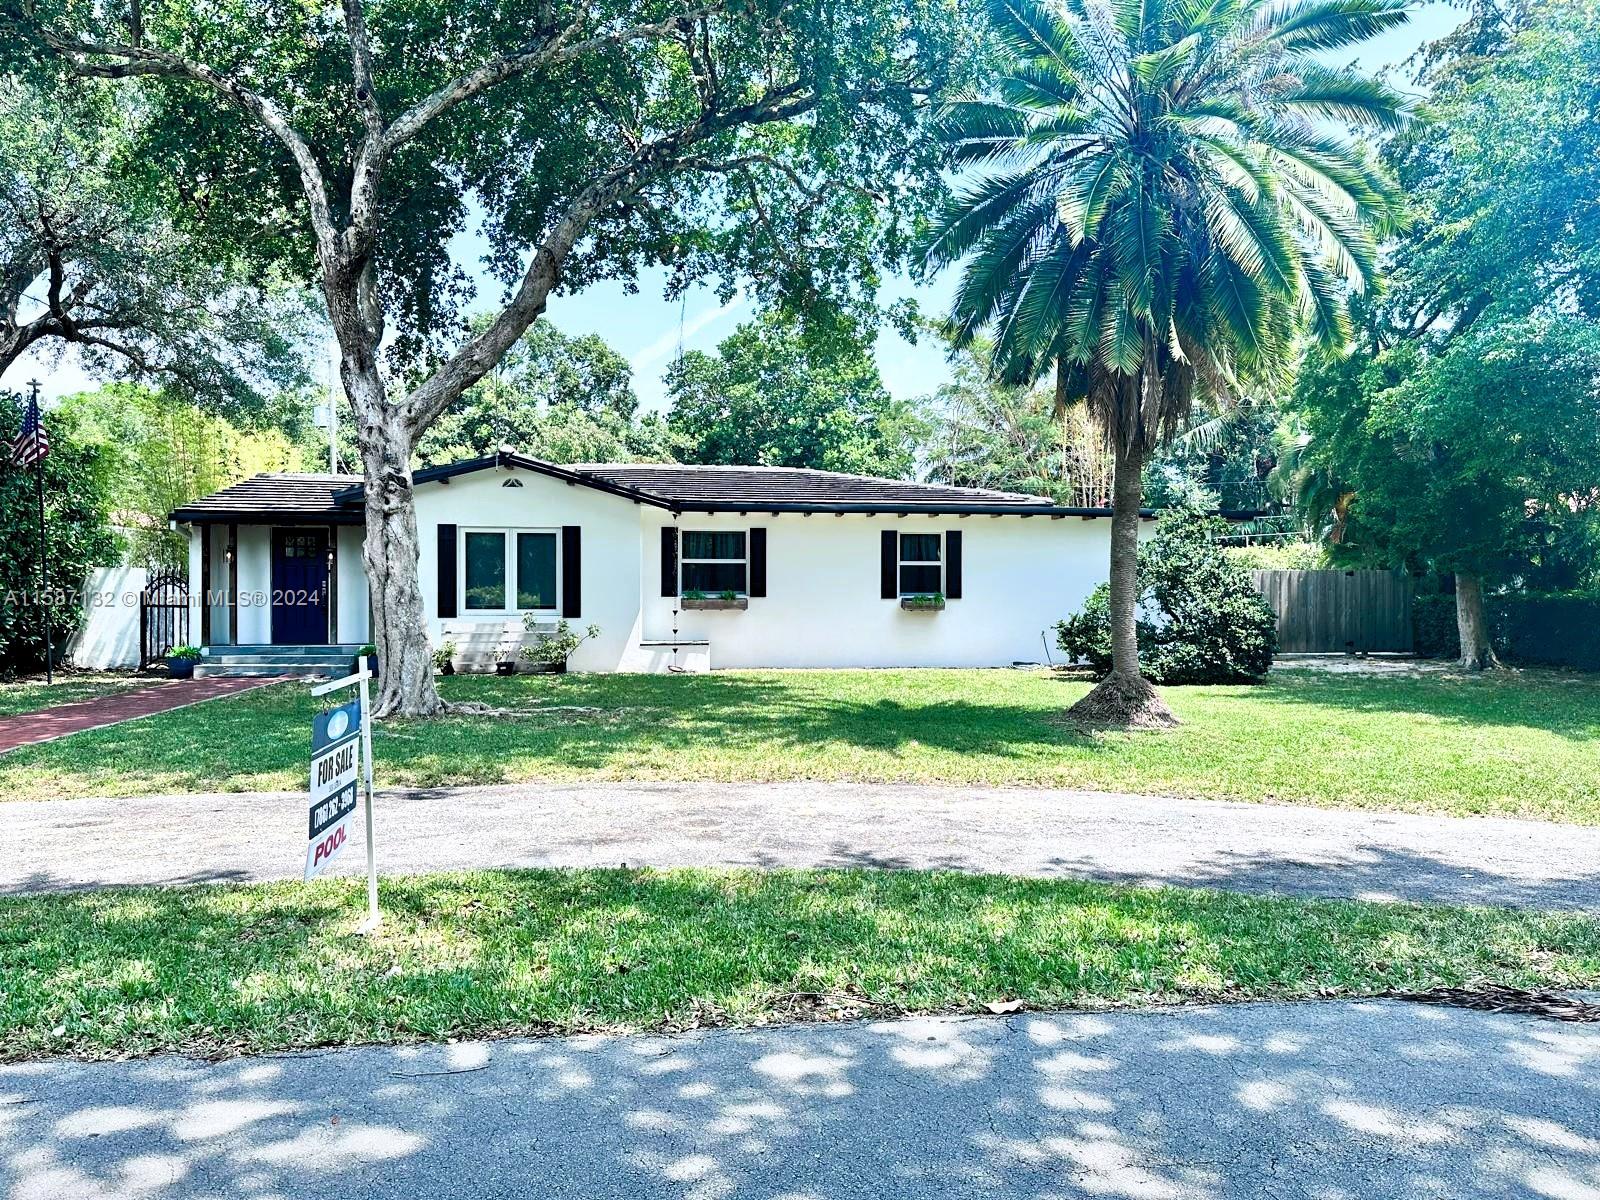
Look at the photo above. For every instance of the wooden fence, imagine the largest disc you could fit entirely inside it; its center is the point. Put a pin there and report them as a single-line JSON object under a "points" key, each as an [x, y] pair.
{"points": [[1336, 612]]}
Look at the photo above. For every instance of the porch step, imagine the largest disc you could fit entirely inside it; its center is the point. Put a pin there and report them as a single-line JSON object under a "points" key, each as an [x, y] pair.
{"points": [[223, 661]]}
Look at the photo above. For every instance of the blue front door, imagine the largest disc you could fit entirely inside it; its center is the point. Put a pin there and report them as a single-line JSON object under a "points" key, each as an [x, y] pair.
{"points": [[299, 587]]}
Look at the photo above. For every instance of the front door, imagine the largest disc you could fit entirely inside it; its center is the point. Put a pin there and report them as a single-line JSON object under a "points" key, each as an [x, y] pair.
{"points": [[299, 587]]}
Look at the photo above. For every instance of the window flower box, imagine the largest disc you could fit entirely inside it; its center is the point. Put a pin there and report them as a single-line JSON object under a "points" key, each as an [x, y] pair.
{"points": [[922, 603], [715, 603]]}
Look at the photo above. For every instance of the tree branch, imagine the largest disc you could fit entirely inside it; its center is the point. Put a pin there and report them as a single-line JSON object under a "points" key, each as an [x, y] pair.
{"points": [[542, 50], [479, 355], [134, 60]]}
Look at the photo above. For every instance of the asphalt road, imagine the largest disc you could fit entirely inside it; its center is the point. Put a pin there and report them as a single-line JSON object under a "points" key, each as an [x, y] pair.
{"points": [[1139, 839], [1340, 1101]]}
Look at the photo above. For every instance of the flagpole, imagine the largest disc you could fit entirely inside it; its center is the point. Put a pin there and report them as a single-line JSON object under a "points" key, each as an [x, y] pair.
{"points": [[44, 599]]}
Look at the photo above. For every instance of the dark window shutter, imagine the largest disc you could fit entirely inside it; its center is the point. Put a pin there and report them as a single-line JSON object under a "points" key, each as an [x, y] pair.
{"points": [[669, 560], [889, 575], [952, 565], [447, 571], [571, 571], [758, 562]]}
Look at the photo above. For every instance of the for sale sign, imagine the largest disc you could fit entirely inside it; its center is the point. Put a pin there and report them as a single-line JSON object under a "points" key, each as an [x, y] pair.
{"points": [[335, 777]]}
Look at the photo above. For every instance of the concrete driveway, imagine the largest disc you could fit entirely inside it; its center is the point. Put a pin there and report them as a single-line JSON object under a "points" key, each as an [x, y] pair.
{"points": [[1339, 1101], [1139, 839]]}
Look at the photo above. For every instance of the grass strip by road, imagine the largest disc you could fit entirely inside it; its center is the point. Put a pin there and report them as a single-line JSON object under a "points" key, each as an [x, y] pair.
{"points": [[237, 968], [1514, 744]]}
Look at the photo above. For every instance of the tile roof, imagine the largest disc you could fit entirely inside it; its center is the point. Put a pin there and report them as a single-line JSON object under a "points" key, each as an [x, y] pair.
{"points": [[286, 496], [788, 485]]}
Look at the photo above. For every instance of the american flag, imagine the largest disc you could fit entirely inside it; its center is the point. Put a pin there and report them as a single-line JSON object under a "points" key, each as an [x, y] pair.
{"points": [[32, 444]]}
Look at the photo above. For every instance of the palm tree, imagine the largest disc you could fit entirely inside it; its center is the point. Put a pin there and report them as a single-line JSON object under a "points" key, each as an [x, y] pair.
{"points": [[1155, 200]]}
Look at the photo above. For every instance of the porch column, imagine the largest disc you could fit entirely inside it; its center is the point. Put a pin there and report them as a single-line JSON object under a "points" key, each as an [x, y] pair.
{"points": [[333, 585], [205, 583], [233, 585]]}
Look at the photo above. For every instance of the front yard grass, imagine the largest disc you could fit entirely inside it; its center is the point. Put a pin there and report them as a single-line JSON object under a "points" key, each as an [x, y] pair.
{"points": [[20, 696], [1520, 744], [224, 969]]}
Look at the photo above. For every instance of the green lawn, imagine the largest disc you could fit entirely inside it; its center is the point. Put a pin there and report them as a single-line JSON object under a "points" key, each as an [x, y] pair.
{"points": [[261, 967], [32, 695], [1521, 744]]}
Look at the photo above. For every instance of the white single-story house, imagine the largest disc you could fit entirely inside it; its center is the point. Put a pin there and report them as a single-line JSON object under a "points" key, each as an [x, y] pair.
{"points": [[681, 567]]}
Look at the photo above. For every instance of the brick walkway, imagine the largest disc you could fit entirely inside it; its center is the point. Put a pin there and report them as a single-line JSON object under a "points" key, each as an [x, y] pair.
{"points": [[27, 729]]}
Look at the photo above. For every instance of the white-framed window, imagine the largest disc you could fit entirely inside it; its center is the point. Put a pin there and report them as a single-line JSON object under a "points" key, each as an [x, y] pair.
{"points": [[712, 562], [510, 570], [921, 564]]}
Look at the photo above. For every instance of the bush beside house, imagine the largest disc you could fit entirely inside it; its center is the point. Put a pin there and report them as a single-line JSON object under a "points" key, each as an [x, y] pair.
{"points": [[1200, 619], [80, 537], [1560, 629]]}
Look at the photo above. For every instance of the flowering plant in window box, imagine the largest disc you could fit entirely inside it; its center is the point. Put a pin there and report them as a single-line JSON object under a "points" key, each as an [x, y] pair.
{"points": [[923, 603], [723, 600]]}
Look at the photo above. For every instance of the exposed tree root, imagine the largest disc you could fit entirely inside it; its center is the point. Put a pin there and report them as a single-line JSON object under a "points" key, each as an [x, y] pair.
{"points": [[1122, 702]]}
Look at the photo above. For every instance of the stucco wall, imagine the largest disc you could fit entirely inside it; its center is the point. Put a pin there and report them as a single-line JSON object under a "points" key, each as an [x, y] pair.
{"points": [[610, 571], [822, 608]]}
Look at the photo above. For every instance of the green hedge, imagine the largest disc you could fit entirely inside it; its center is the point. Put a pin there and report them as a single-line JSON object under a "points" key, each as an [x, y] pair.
{"points": [[1552, 630]]}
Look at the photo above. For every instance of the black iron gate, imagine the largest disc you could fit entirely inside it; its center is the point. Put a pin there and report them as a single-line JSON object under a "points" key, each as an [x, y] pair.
{"points": [[163, 617]]}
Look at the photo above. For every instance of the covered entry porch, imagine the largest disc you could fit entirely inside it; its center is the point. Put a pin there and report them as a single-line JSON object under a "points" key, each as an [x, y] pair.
{"points": [[275, 566]]}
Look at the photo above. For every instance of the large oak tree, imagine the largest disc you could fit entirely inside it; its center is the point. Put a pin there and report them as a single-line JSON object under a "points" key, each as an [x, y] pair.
{"points": [[768, 137]]}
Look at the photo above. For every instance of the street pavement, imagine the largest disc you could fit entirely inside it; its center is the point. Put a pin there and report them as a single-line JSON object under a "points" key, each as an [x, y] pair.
{"points": [[1055, 833], [1332, 1101]]}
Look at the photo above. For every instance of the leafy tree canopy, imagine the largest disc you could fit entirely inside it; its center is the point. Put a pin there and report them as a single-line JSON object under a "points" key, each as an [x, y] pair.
{"points": [[1502, 173], [774, 396], [90, 259], [1481, 457]]}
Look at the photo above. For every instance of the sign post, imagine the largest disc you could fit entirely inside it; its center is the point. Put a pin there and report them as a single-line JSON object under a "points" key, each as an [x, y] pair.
{"points": [[341, 763]]}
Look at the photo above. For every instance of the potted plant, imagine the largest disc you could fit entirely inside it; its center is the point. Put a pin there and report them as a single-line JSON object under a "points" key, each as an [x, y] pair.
{"points": [[923, 603], [549, 654], [181, 661], [370, 653], [444, 659]]}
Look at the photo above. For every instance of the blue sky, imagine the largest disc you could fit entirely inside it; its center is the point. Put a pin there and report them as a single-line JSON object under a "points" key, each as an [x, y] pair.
{"points": [[648, 329]]}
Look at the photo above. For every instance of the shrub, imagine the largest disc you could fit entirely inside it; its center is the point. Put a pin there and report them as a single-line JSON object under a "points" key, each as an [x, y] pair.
{"points": [[1200, 621], [1551, 629], [553, 649], [1277, 556]]}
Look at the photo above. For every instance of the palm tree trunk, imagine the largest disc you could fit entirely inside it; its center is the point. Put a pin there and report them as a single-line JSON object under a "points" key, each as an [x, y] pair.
{"points": [[1124, 699], [1476, 652]]}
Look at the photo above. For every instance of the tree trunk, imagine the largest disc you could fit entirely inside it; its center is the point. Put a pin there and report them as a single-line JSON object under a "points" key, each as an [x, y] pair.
{"points": [[405, 658], [1124, 699], [1476, 652]]}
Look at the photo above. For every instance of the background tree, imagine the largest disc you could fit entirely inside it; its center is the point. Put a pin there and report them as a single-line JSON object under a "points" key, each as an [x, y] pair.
{"points": [[986, 433], [89, 260], [560, 398], [160, 451], [1477, 459], [1156, 206], [779, 396], [1498, 266], [77, 480], [597, 137]]}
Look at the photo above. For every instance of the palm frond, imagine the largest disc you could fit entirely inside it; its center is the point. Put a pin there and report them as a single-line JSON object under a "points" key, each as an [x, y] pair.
{"points": [[1343, 95], [1331, 24]]}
